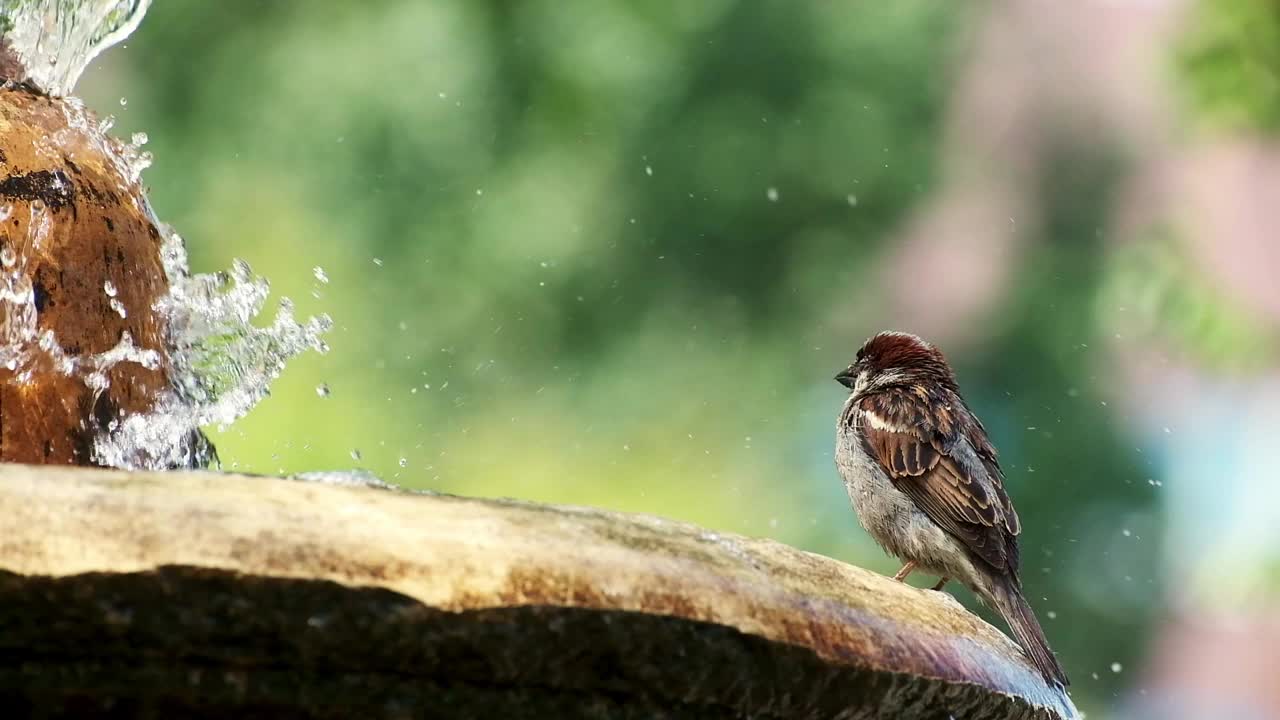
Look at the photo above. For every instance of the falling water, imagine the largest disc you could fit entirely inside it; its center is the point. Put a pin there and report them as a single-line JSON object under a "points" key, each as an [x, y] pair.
{"points": [[55, 39], [222, 364]]}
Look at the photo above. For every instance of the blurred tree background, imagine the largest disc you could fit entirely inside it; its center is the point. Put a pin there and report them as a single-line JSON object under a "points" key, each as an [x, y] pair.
{"points": [[1230, 62], [611, 253]]}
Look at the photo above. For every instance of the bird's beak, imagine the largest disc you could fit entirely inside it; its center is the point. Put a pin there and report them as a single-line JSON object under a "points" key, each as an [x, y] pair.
{"points": [[847, 378]]}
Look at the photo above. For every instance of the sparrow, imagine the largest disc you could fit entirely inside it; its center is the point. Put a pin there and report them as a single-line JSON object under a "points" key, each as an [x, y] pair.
{"points": [[925, 483]]}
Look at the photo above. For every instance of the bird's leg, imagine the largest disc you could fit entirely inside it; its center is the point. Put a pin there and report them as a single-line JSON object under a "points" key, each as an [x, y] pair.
{"points": [[905, 571], [941, 583]]}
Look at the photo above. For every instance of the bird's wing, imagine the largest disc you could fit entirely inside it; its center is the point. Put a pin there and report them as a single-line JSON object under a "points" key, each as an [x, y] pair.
{"points": [[919, 439]]}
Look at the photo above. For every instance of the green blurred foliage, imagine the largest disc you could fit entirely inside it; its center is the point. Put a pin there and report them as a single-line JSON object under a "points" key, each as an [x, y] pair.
{"points": [[1230, 63], [1169, 301], [581, 274], [588, 252]]}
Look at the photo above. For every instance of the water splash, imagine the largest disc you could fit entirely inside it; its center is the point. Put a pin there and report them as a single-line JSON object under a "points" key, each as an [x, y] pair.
{"points": [[134, 157], [26, 350], [17, 312], [222, 364]]}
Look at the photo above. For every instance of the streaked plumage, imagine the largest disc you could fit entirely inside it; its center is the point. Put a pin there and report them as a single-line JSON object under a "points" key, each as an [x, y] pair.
{"points": [[925, 481]]}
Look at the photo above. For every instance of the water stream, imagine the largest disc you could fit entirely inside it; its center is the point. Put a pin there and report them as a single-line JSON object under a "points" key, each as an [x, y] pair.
{"points": [[56, 39]]}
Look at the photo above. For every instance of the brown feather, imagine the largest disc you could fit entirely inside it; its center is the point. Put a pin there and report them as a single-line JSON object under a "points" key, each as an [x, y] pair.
{"points": [[912, 440]]}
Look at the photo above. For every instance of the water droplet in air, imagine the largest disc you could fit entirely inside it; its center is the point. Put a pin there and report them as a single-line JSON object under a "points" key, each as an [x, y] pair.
{"points": [[1127, 532], [648, 171], [356, 455], [377, 261], [772, 194], [851, 199], [1116, 667], [320, 274], [139, 139], [109, 288], [124, 102], [404, 462], [322, 390]]}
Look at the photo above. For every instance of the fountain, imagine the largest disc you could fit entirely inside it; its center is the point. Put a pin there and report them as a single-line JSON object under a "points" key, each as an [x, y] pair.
{"points": [[111, 351], [131, 592]]}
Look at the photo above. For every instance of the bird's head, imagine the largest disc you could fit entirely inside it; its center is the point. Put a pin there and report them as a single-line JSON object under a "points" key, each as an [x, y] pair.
{"points": [[892, 359]]}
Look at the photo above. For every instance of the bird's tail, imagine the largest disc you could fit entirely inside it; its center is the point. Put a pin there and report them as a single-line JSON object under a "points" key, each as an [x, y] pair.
{"points": [[1009, 602]]}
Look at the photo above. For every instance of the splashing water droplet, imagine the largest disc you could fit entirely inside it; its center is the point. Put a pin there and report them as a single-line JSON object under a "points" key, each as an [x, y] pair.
{"points": [[320, 275], [18, 319], [1116, 667], [322, 390], [109, 288], [404, 462], [772, 194], [96, 381], [356, 455]]}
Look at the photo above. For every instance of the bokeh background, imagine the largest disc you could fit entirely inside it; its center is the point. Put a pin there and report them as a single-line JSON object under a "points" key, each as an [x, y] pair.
{"points": [[611, 253]]}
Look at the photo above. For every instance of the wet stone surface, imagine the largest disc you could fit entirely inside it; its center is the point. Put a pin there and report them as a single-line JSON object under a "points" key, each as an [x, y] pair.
{"points": [[176, 594]]}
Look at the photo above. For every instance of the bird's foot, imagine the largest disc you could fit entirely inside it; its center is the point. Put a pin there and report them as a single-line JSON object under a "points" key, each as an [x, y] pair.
{"points": [[941, 584], [905, 571]]}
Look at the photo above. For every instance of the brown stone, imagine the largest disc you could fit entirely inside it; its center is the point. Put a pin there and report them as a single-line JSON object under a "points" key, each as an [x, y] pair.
{"points": [[212, 595], [57, 166]]}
